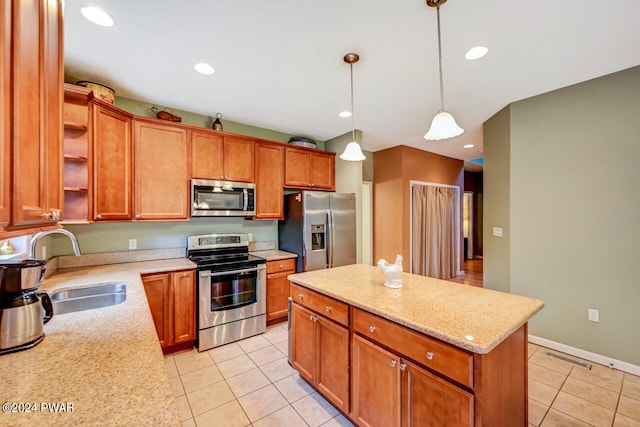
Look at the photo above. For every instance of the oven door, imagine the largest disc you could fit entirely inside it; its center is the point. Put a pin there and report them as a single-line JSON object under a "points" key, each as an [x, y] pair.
{"points": [[227, 296]]}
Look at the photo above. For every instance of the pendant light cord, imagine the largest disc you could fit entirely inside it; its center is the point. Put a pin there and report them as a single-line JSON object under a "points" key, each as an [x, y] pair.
{"points": [[439, 62], [353, 129]]}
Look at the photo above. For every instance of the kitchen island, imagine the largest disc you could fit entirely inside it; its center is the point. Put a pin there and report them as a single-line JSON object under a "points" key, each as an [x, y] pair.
{"points": [[431, 351], [104, 365]]}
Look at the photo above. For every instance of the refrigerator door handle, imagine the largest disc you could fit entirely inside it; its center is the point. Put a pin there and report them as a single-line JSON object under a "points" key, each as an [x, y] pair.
{"points": [[331, 237]]}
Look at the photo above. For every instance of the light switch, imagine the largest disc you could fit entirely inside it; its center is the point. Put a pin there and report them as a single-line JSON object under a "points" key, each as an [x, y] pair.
{"points": [[497, 231]]}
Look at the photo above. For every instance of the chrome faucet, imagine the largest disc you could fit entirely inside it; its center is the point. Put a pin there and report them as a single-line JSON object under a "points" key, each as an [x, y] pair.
{"points": [[36, 237]]}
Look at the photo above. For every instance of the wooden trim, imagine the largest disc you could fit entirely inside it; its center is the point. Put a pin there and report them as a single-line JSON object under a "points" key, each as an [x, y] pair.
{"points": [[23, 231]]}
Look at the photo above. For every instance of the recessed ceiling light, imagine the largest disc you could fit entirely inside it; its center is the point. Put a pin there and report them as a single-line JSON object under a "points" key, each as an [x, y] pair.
{"points": [[468, 146], [204, 68], [97, 16], [476, 52], [344, 114]]}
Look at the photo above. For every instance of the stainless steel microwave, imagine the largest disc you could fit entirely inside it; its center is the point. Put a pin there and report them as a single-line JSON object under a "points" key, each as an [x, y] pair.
{"points": [[222, 198]]}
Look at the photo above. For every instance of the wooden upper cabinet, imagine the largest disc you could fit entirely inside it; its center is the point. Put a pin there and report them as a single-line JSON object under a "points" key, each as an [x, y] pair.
{"points": [[207, 151], [238, 159], [5, 113], [112, 164], [221, 157], [34, 30], [161, 171], [309, 169], [269, 181]]}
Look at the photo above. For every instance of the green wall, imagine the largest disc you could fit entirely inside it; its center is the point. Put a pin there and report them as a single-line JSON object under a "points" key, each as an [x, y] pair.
{"points": [[496, 250], [573, 210]]}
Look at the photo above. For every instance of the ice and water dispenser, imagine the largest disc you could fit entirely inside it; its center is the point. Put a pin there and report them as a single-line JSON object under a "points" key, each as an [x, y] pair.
{"points": [[318, 237]]}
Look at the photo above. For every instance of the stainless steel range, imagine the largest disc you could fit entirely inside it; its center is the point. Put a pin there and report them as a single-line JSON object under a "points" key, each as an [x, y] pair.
{"points": [[231, 289]]}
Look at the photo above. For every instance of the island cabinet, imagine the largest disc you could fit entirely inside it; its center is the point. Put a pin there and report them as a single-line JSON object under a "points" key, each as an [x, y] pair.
{"points": [[309, 169], [278, 288], [161, 171], [320, 344], [31, 105], [221, 157], [172, 300], [269, 173], [112, 163], [389, 390]]}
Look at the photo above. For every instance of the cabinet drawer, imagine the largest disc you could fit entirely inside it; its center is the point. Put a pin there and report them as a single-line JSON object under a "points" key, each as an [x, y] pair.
{"points": [[450, 361], [281, 265], [322, 304]]}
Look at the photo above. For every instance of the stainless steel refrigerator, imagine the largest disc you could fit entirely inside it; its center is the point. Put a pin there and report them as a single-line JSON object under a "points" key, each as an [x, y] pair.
{"points": [[320, 227]]}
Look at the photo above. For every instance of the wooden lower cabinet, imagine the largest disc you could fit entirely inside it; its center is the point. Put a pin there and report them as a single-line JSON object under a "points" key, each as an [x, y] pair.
{"points": [[320, 353], [172, 300], [375, 385], [278, 288], [428, 400]]}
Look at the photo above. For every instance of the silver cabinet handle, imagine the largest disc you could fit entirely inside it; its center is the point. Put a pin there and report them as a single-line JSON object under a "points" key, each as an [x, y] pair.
{"points": [[99, 216], [372, 328], [327, 308], [311, 317], [394, 363], [429, 355], [403, 366], [300, 296]]}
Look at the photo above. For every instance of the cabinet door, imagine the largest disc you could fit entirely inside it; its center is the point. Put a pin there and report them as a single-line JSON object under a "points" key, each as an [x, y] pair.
{"points": [[52, 105], [184, 306], [29, 134], [277, 295], [375, 385], [5, 112], [303, 346], [296, 168], [332, 374], [207, 155], [161, 171], [238, 159], [322, 171], [269, 181], [158, 290], [433, 402], [111, 164]]}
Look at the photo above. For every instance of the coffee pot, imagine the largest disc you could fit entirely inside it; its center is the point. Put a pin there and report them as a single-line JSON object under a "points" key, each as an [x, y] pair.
{"points": [[23, 310]]}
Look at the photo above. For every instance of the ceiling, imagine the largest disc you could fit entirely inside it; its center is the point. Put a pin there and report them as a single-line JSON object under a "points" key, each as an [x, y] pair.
{"points": [[279, 62]]}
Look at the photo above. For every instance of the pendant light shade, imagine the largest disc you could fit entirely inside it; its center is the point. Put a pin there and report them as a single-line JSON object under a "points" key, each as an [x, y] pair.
{"points": [[443, 125], [352, 152]]}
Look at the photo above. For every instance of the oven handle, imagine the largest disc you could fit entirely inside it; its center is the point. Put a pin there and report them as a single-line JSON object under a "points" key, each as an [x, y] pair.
{"points": [[224, 273]]}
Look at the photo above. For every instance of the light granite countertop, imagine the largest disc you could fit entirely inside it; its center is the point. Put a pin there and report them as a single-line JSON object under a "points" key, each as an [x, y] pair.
{"points": [[468, 317], [274, 254], [106, 362]]}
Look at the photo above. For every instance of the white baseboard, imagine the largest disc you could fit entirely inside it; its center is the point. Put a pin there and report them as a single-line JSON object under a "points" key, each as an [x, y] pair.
{"points": [[587, 355]]}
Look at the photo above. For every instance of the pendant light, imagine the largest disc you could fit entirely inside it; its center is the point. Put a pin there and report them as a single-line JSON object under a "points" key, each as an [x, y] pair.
{"points": [[352, 152], [443, 125]]}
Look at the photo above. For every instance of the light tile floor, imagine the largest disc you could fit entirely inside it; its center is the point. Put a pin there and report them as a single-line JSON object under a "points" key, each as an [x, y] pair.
{"points": [[250, 383]]}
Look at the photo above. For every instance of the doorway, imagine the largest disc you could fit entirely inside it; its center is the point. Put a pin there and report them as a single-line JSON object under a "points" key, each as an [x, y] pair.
{"points": [[467, 224]]}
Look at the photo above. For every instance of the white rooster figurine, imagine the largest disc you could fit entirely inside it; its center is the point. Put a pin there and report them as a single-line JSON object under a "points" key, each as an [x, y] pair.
{"points": [[392, 271]]}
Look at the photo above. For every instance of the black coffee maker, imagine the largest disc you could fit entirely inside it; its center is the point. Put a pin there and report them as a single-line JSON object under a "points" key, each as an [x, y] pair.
{"points": [[21, 306]]}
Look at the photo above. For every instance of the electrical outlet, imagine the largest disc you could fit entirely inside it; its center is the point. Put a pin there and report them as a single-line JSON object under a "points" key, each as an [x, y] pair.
{"points": [[133, 244], [594, 315], [497, 231], [44, 252]]}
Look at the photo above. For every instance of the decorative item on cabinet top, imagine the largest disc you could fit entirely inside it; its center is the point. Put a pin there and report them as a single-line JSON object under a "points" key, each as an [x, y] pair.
{"points": [[217, 124], [100, 91], [303, 142], [165, 115]]}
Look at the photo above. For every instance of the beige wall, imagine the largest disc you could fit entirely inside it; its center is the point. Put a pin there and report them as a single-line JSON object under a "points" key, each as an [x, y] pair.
{"points": [[573, 212], [394, 169], [496, 199]]}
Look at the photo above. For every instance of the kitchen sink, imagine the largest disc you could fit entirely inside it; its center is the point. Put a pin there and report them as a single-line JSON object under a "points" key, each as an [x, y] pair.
{"points": [[90, 297]]}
